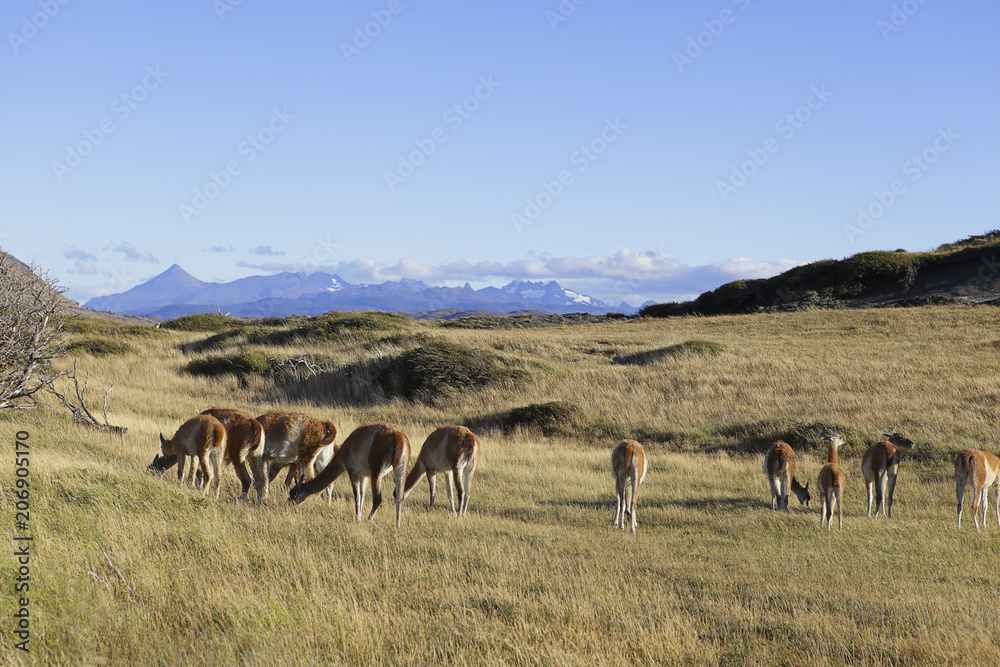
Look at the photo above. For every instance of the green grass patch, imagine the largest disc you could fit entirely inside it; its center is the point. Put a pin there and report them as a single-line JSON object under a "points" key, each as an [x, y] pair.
{"points": [[335, 326], [247, 335], [99, 347], [240, 365], [704, 348], [202, 322], [102, 327]]}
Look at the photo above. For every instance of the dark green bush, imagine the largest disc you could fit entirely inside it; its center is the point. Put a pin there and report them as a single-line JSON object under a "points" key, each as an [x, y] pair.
{"points": [[202, 322], [240, 365], [877, 270], [441, 365], [551, 418]]}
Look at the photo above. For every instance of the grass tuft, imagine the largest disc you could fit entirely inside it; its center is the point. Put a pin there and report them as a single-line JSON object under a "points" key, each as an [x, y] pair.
{"points": [[702, 348]]}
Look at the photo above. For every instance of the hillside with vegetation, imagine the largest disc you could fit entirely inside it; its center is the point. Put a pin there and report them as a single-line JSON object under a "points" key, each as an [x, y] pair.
{"points": [[966, 271], [131, 568]]}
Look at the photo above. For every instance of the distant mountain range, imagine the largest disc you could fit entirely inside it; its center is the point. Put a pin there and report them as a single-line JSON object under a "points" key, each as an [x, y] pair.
{"points": [[175, 293]]}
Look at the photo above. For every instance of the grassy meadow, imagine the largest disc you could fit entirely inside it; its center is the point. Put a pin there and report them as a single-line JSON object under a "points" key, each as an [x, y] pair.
{"points": [[534, 574]]}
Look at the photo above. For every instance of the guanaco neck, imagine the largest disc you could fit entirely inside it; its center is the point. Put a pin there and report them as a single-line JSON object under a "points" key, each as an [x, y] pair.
{"points": [[833, 457]]}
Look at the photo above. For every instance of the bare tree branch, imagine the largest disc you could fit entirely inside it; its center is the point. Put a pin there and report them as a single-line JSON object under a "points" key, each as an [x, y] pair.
{"points": [[119, 573], [31, 335], [79, 409]]}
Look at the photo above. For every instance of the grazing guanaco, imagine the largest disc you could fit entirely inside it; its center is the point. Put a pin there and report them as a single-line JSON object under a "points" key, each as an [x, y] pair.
{"points": [[880, 465], [288, 437], [628, 467], [368, 454], [204, 438], [779, 466], [455, 450], [831, 484], [244, 438], [981, 468], [323, 458], [244, 442]]}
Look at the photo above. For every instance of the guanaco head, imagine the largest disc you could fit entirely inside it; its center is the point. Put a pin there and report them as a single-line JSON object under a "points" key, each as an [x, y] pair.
{"points": [[161, 463], [834, 438], [295, 494], [803, 495], [167, 446], [898, 439]]}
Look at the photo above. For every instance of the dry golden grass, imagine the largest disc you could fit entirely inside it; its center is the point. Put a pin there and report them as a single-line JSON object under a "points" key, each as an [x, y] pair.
{"points": [[535, 574]]}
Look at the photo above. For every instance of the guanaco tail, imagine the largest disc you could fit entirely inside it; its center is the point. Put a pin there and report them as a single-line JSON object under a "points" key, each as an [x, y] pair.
{"points": [[628, 467]]}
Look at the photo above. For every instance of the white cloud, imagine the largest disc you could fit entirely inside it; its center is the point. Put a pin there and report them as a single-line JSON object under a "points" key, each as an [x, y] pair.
{"points": [[83, 267], [131, 253], [79, 254], [265, 251]]}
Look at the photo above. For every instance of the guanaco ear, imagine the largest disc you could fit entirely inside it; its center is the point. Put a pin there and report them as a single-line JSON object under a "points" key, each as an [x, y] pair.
{"points": [[807, 487], [302, 478]]}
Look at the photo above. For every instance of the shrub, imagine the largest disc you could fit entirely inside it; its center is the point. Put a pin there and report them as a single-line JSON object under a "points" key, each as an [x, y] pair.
{"points": [[99, 347], [240, 365], [202, 322], [873, 271], [552, 418], [704, 348], [440, 365]]}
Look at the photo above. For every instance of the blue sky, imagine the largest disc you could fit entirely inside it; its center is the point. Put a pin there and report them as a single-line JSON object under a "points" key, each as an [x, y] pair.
{"points": [[630, 150]]}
